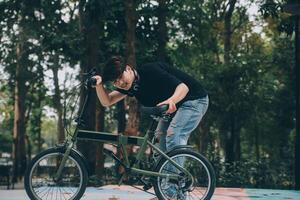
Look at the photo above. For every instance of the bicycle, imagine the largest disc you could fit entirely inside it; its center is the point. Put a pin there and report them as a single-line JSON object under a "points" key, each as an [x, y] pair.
{"points": [[180, 173]]}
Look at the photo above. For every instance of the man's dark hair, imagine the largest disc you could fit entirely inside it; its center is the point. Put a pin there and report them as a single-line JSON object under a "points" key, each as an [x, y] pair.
{"points": [[113, 69]]}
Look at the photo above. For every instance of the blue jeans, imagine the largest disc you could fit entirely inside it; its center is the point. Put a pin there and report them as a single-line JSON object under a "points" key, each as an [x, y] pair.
{"points": [[177, 132], [187, 118]]}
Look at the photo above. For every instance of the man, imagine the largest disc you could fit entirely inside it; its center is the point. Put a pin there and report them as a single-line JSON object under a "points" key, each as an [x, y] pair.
{"points": [[155, 84]]}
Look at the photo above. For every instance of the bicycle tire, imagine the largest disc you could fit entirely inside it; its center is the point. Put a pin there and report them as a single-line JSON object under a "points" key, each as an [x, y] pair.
{"points": [[185, 154], [45, 154]]}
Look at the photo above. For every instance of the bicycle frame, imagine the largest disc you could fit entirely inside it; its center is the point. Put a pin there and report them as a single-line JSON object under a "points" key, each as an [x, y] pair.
{"points": [[122, 141]]}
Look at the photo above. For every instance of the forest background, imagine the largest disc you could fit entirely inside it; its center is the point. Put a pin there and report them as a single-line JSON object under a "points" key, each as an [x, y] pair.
{"points": [[241, 51]]}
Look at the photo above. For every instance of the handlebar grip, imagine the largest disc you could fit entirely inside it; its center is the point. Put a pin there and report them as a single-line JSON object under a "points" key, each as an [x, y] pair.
{"points": [[156, 110], [91, 82]]}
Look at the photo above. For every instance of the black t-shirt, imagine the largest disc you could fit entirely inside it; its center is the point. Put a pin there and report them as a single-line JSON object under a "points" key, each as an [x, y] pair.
{"points": [[157, 81]]}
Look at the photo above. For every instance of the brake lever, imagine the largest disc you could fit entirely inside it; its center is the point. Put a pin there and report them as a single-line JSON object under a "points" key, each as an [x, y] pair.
{"points": [[92, 72]]}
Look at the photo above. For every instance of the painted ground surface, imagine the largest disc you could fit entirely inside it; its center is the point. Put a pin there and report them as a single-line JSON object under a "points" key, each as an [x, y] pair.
{"points": [[113, 192], [220, 193]]}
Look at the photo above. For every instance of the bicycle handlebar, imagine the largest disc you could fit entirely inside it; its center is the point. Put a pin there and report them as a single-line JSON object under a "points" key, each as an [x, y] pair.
{"points": [[89, 81]]}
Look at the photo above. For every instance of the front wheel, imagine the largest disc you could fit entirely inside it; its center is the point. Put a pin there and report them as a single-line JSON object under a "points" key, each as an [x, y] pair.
{"points": [[39, 180], [200, 186]]}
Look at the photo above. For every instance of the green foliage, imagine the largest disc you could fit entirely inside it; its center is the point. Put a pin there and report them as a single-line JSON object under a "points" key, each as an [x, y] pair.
{"points": [[252, 174], [6, 141], [6, 119]]}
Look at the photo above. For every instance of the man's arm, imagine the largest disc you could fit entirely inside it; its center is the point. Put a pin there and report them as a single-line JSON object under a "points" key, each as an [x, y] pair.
{"points": [[179, 94], [105, 98], [108, 99]]}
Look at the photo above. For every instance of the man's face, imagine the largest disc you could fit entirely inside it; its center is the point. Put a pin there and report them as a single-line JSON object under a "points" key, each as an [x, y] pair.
{"points": [[125, 80]]}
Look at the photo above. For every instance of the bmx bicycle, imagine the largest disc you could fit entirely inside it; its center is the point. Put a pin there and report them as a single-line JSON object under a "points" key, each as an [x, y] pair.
{"points": [[61, 172]]}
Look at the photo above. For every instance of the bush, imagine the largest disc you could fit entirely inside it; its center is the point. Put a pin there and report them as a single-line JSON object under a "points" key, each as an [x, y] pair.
{"points": [[251, 174]]}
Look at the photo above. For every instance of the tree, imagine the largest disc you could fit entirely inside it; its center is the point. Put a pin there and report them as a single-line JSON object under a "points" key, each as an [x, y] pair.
{"points": [[57, 101], [233, 138], [22, 75], [19, 115], [35, 101], [131, 18], [297, 149], [89, 17]]}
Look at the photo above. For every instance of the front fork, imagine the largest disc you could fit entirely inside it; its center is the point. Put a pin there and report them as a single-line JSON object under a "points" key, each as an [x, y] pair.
{"points": [[69, 147]]}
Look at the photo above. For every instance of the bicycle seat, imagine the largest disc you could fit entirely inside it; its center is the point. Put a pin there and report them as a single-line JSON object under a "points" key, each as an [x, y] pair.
{"points": [[156, 110]]}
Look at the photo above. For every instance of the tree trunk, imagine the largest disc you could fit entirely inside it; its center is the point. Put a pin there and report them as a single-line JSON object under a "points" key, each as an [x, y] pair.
{"points": [[29, 148], [203, 138], [232, 150], [256, 139], [89, 27], [162, 30], [229, 153], [130, 15], [99, 151], [19, 152], [121, 116], [228, 31], [133, 118], [37, 123], [57, 102], [297, 147], [27, 139]]}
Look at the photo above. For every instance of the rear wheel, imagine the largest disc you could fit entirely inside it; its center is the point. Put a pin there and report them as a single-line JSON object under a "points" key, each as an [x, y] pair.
{"points": [[201, 186], [40, 183]]}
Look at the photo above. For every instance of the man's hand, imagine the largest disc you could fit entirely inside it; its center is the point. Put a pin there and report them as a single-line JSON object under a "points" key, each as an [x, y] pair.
{"points": [[99, 80], [172, 105], [179, 94]]}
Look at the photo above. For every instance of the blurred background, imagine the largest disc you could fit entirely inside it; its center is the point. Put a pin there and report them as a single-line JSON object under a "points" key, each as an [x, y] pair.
{"points": [[242, 51]]}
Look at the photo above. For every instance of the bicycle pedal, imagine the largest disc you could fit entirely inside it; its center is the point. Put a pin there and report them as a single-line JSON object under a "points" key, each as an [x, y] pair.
{"points": [[147, 187], [147, 183]]}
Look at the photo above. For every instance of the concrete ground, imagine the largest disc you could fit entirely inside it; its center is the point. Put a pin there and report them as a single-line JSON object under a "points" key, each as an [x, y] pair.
{"points": [[114, 192]]}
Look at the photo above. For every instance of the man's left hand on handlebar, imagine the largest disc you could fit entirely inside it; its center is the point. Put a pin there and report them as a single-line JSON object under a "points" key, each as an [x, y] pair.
{"points": [[98, 80]]}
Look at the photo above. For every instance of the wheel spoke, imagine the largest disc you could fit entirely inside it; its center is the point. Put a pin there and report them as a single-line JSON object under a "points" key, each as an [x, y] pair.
{"points": [[202, 185]]}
